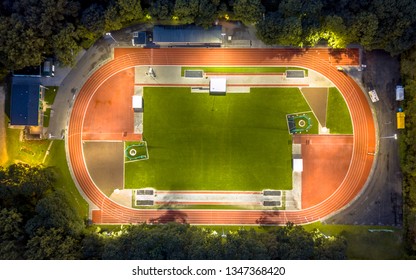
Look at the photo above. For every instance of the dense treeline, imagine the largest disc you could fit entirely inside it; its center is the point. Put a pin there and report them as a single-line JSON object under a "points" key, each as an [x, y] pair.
{"points": [[36, 222], [408, 148], [378, 24], [30, 30]]}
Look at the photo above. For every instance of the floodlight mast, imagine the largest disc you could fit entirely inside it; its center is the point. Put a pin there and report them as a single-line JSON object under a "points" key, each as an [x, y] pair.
{"points": [[111, 36]]}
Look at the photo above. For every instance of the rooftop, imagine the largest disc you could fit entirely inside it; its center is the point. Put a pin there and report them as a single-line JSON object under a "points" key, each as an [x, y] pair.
{"points": [[187, 34], [24, 109]]}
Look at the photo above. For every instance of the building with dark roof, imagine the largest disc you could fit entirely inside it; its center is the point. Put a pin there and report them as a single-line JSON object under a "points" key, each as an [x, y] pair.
{"points": [[30, 71], [187, 35], [140, 39], [26, 98]]}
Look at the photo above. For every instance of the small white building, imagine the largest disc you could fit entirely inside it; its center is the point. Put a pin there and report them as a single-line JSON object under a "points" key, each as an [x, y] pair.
{"points": [[137, 103], [399, 93], [297, 165], [218, 86]]}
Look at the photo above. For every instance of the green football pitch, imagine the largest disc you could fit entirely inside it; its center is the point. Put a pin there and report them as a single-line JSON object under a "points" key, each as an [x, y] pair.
{"points": [[197, 141]]}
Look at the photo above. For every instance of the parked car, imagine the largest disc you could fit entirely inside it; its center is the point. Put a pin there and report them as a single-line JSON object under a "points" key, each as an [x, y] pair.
{"points": [[48, 68]]}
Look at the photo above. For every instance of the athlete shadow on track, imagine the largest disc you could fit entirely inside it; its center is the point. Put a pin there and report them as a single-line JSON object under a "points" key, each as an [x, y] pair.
{"points": [[269, 218], [170, 215]]}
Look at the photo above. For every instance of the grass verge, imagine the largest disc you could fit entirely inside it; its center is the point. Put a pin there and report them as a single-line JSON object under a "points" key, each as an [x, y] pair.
{"points": [[50, 94], [56, 160], [364, 244], [338, 116], [30, 152], [243, 70], [46, 117], [33, 153]]}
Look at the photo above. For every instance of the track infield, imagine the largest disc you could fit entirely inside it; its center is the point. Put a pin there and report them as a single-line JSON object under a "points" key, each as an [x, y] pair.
{"points": [[364, 136], [203, 142], [105, 164]]}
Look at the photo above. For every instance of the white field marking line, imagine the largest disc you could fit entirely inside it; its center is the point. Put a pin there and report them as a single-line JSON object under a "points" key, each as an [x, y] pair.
{"points": [[47, 152], [124, 165], [109, 141]]}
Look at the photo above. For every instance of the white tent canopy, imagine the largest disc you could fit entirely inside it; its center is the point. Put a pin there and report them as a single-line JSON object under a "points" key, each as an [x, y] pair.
{"points": [[297, 165], [218, 85], [137, 102]]}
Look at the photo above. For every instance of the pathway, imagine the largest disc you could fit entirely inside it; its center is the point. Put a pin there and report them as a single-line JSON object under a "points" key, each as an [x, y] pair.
{"points": [[3, 144]]}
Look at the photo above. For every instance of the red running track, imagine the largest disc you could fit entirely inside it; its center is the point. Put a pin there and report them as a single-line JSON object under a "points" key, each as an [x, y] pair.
{"points": [[320, 60]]}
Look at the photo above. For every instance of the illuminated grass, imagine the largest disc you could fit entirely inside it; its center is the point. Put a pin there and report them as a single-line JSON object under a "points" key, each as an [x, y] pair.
{"points": [[57, 161], [30, 152], [338, 116], [50, 94], [46, 117], [243, 70], [203, 142], [363, 244]]}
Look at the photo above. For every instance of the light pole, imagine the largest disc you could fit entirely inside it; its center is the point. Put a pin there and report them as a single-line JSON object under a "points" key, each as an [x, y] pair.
{"points": [[111, 36], [392, 136], [223, 36]]}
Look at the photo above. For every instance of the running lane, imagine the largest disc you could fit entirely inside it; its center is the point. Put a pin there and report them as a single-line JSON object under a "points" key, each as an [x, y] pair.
{"points": [[320, 60]]}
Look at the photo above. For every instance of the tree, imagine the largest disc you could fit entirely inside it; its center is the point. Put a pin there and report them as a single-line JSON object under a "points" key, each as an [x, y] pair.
{"points": [[329, 247], [335, 32], [186, 10], [290, 243], [52, 244], [93, 18], [11, 235], [268, 30], [129, 10], [92, 246], [65, 45], [54, 211], [26, 30], [207, 13], [23, 186], [161, 9], [248, 11], [396, 24], [112, 18], [363, 29], [276, 30], [244, 245]]}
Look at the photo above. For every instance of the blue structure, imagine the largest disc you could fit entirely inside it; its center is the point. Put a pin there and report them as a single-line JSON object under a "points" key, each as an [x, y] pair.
{"points": [[140, 38], [25, 100]]}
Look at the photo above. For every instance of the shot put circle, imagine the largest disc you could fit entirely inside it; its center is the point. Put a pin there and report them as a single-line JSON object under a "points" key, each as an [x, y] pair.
{"points": [[133, 152], [302, 123]]}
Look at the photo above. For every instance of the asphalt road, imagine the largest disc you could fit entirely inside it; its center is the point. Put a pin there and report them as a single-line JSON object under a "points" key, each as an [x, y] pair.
{"points": [[381, 201]]}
